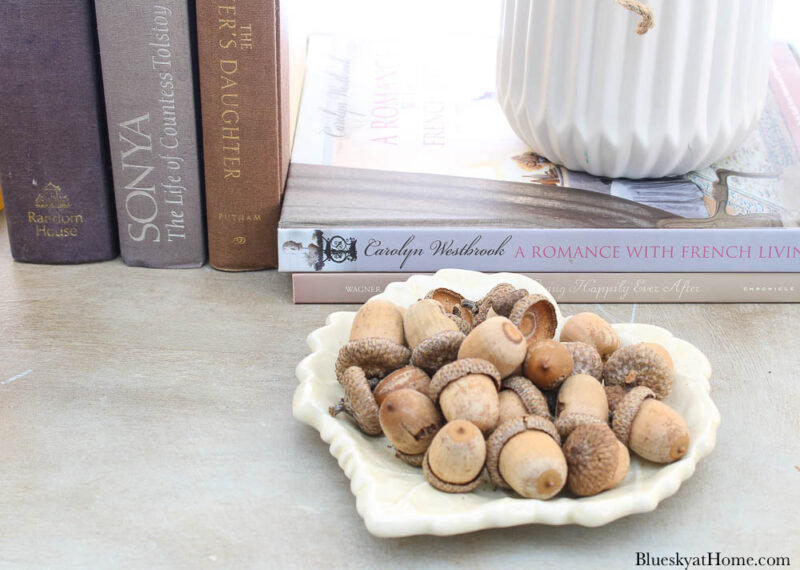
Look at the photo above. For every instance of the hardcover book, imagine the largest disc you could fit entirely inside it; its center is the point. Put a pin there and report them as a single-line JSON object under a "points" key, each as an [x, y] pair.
{"points": [[148, 77], [53, 152], [245, 109], [332, 287], [403, 161]]}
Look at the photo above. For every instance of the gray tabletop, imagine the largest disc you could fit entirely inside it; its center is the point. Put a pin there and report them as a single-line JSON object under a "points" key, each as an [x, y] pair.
{"points": [[145, 422]]}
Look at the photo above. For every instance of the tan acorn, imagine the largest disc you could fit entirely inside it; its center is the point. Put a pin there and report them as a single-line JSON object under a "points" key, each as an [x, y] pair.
{"points": [[642, 364], [593, 457], [585, 359], [467, 389], [407, 377], [498, 341], [536, 317], [455, 458], [524, 454], [377, 341], [592, 329], [409, 421], [547, 364], [456, 307], [520, 397], [581, 400], [433, 338], [358, 401], [650, 428]]}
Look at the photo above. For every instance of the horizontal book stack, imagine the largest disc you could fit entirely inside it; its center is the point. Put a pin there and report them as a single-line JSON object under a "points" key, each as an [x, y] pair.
{"points": [[403, 163]]}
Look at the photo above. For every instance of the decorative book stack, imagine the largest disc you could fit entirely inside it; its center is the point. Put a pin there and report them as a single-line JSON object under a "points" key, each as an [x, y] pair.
{"points": [[245, 109], [53, 156], [403, 162], [148, 76]]}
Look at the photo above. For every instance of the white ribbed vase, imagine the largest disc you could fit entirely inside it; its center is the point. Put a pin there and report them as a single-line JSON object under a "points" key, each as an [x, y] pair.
{"points": [[581, 88]]}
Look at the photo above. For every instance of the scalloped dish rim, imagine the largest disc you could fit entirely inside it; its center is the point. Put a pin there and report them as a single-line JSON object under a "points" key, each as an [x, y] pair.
{"points": [[395, 500]]}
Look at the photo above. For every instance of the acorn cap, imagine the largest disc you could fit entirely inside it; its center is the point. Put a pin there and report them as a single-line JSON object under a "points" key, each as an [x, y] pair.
{"points": [[639, 365], [585, 359], [614, 394], [441, 485], [358, 401], [376, 356], [462, 323], [566, 424], [626, 412], [532, 398], [406, 377], [503, 433], [440, 349], [535, 316], [447, 297], [413, 460], [592, 456], [485, 304], [458, 369], [503, 305]]}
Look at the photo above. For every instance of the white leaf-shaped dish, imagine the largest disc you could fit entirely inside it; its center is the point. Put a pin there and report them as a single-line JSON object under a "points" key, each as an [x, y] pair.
{"points": [[395, 500]]}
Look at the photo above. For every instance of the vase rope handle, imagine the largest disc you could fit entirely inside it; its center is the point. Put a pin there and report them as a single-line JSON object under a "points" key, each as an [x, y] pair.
{"points": [[645, 11]]}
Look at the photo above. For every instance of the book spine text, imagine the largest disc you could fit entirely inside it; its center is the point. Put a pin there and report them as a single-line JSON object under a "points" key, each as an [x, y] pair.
{"points": [[53, 149], [148, 78]]}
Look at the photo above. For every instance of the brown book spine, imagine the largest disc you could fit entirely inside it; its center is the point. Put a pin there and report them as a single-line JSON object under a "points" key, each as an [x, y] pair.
{"points": [[245, 136]]}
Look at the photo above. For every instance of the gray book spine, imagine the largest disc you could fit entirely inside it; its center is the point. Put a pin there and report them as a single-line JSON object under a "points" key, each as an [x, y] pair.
{"points": [[149, 81]]}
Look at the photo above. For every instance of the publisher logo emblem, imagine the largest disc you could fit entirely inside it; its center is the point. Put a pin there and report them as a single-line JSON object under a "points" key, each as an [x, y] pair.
{"points": [[337, 249], [51, 197]]}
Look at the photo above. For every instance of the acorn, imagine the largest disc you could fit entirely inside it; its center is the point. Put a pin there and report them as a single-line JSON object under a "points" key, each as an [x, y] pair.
{"points": [[377, 341], [547, 364], [592, 329], [498, 341], [406, 377], [433, 338], [593, 457], [585, 359], [524, 454], [358, 401], [454, 307], [650, 428], [455, 458], [535, 316], [520, 397], [581, 400], [409, 420], [642, 364], [614, 395], [499, 298], [467, 389]]}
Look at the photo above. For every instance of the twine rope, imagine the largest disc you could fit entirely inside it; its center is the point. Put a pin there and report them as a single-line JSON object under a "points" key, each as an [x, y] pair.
{"points": [[645, 11]]}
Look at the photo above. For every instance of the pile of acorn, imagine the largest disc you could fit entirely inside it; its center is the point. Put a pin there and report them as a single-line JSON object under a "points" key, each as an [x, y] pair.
{"points": [[458, 385]]}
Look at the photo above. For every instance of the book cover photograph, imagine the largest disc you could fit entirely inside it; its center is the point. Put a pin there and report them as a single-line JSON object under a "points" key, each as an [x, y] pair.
{"points": [[403, 161]]}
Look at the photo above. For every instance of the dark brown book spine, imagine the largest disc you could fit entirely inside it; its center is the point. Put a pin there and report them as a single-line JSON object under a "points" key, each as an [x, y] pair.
{"points": [[245, 140], [53, 155]]}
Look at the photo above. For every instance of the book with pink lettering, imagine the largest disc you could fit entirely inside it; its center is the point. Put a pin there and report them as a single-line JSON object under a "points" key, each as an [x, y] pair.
{"points": [[403, 161]]}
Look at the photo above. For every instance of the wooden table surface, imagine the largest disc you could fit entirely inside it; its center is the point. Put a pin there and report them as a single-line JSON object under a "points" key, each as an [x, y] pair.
{"points": [[145, 422]]}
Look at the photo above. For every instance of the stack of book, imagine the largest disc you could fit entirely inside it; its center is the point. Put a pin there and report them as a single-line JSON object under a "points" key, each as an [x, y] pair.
{"points": [[104, 154], [403, 163]]}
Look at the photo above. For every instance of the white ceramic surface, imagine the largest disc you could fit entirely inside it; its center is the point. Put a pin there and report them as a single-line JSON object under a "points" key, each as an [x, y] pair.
{"points": [[395, 500], [581, 88]]}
